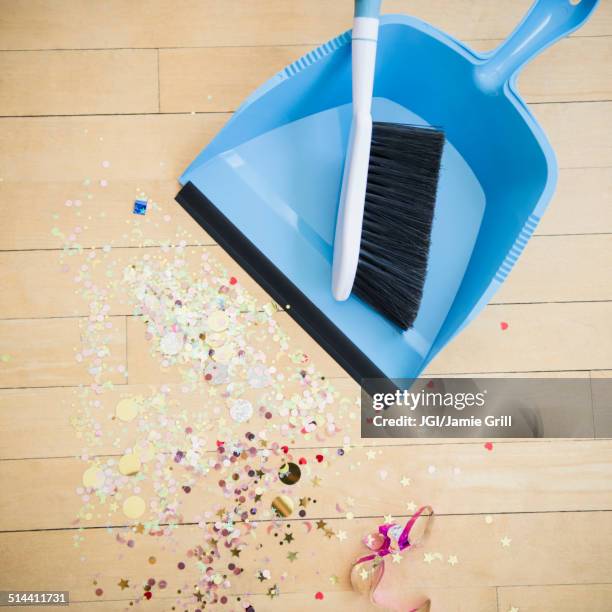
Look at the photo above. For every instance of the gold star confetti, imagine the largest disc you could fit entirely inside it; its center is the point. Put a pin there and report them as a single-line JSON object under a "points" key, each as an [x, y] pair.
{"points": [[292, 556], [452, 560], [321, 524], [506, 541], [334, 579], [316, 481], [123, 584], [329, 533], [273, 592]]}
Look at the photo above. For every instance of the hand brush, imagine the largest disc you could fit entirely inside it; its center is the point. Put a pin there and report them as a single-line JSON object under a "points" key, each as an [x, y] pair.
{"points": [[389, 186]]}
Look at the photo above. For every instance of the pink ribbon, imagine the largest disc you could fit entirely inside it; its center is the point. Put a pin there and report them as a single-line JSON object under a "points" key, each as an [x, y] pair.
{"points": [[384, 543]]}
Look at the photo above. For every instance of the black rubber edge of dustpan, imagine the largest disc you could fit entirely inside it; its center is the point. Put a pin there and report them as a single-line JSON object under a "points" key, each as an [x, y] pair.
{"points": [[278, 286]]}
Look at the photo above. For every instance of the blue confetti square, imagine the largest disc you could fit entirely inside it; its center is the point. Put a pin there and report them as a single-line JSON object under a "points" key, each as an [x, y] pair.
{"points": [[140, 207]]}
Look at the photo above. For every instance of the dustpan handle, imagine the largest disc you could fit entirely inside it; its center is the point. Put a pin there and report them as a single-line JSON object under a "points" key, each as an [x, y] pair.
{"points": [[546, 22]]}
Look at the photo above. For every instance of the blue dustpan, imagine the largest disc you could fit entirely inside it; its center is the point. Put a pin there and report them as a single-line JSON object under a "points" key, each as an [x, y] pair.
{"points": [[267, 187]]}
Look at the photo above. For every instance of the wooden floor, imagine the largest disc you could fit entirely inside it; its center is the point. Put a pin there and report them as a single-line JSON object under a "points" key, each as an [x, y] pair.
{"points": [[144, 85]]}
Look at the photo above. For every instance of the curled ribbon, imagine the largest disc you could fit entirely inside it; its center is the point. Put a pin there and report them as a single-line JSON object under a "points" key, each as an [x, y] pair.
{"points": [[367, 572]]}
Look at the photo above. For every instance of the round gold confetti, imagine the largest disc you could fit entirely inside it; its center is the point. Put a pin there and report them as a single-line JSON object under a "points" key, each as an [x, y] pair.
{"points": [[290, 473], [152, 560], [133, 506], [217, 321], [283, 505], [93, 477], [127, 409], [129, 464]]}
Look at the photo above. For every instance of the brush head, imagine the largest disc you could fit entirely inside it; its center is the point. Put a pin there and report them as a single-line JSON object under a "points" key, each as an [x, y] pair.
{"points": [[397, 221]]}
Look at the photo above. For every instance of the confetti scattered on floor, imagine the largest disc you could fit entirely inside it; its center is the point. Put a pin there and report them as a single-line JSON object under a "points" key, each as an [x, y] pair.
{"points": [[219, 466]]}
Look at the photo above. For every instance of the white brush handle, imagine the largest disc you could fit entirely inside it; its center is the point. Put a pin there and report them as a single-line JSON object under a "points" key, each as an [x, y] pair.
{"points": [[354, 181]]}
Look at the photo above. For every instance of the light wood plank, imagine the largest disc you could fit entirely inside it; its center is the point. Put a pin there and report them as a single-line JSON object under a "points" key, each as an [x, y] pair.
{"points": [[468, 479], [105, 219], [78, 82], [566, 72], [601, 386], [537, 553], [42, 352], [226, 75], [560, 598], [30, 414], [72, 149], [551, 265], [45, 284], [36, 24], [229, 75], [582, 203], [575, 132], [449, 600], [40, 172], [539, 337]]}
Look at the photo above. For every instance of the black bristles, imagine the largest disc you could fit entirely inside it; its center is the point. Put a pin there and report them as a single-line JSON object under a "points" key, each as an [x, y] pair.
{"points": [[398, 217]]}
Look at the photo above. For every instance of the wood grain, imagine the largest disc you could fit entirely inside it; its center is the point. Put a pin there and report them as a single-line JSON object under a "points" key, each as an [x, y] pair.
{"points": [[561, 598], [467, 479], [64, 24], [536, 553], [78, 82], [42, 352], [540, 337]]}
